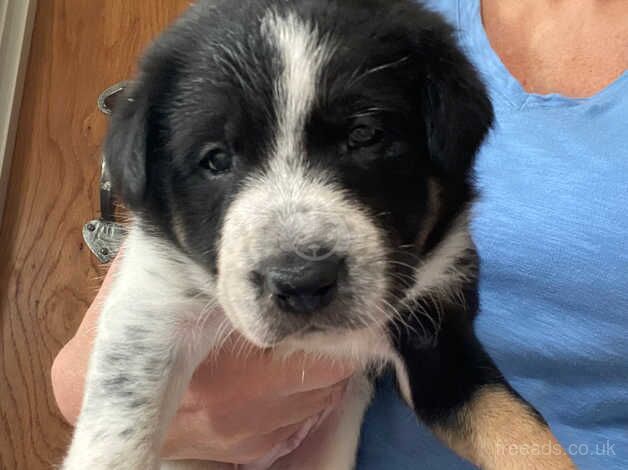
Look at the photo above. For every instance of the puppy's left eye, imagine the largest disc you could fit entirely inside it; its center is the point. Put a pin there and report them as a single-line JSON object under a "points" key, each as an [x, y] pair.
{"points": [[364, 135], [217, 159]]}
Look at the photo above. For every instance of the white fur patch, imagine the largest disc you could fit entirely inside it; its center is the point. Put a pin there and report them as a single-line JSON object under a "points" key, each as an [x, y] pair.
{"points": [[437, 273], [303, 53]]}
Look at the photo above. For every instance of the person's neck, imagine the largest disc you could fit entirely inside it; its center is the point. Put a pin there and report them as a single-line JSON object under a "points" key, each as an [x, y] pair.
{"points": [[545, 7], [573, 47]]}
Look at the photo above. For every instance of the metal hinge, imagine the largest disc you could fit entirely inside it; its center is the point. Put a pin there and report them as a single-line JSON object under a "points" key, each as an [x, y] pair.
{"points": [[104, 236]]}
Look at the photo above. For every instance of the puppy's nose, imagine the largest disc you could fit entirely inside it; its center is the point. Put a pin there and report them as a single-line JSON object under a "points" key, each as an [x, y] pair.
{"points": [[303, 286]]}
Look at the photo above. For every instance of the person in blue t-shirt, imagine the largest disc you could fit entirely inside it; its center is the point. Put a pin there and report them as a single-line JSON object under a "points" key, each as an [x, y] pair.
{"points": [[551, 227]]}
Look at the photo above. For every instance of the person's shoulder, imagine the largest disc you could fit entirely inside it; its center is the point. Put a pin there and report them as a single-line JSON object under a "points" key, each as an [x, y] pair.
{"points": [[447, 8]]}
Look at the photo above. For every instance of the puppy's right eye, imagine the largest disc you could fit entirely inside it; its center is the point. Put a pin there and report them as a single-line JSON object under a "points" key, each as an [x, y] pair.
{"points": [[363, 136], [366, 132], [216, 159]]}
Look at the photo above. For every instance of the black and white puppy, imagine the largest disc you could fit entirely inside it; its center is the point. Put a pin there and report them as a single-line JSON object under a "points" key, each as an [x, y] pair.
{"points": [[303, 166]]}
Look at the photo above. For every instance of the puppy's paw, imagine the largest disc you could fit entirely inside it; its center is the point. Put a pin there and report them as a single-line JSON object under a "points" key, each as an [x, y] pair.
{"points": [[95, 460]]}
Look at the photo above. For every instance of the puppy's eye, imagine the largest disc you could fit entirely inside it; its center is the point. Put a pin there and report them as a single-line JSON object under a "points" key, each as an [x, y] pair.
{"points": [[217, 159], [364, 135]]}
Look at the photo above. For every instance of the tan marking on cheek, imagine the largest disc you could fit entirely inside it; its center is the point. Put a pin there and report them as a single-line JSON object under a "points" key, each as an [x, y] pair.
{"points": [[434, 206], [178, 230], [498, 432]]}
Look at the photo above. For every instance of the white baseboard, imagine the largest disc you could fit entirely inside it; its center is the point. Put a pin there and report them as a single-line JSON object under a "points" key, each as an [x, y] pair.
{"points": [[16, 26]]}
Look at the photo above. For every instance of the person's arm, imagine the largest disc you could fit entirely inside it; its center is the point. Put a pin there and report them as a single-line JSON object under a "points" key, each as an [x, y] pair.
{"points": [[236, 410]]}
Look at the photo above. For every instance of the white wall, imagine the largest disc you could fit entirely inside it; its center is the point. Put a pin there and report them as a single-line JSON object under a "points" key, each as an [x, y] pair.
{"points": [[16, 24]]}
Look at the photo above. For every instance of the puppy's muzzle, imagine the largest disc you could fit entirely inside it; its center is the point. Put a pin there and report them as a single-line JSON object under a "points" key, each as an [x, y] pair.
{"points": [[298, 285]]}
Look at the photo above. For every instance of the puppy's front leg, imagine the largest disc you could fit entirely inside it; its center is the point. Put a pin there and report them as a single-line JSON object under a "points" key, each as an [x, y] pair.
{"points": [[150, 339], [458, 391], [139, 369]]}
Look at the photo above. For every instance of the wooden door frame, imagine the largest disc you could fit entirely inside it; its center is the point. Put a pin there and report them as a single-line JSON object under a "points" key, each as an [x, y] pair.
{"points": [[16, 27]]}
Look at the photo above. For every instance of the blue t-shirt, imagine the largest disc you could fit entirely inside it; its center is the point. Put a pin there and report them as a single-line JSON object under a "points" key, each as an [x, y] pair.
{"points": [[552, 231]]}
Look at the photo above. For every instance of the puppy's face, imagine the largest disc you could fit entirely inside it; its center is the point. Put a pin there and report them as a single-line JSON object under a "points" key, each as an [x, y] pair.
{"points": [[306, 154]]}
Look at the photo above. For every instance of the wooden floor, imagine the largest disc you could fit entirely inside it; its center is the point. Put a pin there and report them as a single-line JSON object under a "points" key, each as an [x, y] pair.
{"points": [[47, 275]]}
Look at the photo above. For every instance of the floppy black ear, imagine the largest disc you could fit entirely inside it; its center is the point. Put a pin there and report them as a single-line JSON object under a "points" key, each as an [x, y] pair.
{"points": [[457, 109], [126, 146]]}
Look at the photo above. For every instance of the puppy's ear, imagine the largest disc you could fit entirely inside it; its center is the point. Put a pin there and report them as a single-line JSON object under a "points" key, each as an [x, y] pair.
{"points": [[457, 109], [125, 147]]}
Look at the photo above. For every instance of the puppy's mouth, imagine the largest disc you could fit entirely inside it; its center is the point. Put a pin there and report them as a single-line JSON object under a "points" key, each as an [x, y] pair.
{"points": [[329, 335], [312, 329], [323, 329], [280, 326]]}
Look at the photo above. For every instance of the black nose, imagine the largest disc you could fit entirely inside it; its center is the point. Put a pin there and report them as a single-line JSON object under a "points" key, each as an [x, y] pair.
{"points": [[303, 286]]}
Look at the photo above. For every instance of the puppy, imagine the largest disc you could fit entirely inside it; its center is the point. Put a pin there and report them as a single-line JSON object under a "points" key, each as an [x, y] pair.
{"points": [[305, 166]]}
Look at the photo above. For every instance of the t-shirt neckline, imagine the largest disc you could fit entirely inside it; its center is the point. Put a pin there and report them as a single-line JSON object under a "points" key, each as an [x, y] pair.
{"points": [[471, 24]]}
